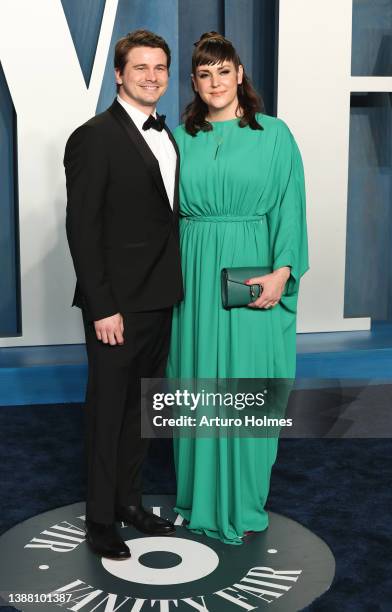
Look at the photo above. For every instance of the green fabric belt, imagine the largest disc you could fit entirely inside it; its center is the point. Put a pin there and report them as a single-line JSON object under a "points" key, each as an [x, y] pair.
{"points": [[223, 219]]}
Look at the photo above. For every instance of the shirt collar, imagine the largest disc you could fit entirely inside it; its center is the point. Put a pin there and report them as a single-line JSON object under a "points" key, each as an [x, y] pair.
{"points": [[137, 116]]}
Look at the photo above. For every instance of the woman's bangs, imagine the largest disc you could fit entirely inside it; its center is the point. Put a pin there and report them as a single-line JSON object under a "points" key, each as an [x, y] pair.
{"points": [[213, 53]]}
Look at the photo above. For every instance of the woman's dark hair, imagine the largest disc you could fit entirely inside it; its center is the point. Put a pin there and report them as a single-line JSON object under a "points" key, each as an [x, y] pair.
{"points": [[211, 49]]}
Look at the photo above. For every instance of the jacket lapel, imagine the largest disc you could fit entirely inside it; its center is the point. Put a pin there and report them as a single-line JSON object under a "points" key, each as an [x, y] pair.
{"points": [[176, 198], [142, 147]]}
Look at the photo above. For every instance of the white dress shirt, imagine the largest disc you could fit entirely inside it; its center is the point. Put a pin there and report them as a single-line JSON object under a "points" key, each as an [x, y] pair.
{"points": [[160, 145]]}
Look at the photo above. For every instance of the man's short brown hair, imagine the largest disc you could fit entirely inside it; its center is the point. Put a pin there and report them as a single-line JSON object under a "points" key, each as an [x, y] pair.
{"points": [[138, 38]]}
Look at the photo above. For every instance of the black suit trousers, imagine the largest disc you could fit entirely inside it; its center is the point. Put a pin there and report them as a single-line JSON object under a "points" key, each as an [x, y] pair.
{"points": [[114, 447]]}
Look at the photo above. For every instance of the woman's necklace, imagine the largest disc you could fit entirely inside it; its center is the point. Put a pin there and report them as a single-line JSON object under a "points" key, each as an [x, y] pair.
{"points": [[218, 141]]}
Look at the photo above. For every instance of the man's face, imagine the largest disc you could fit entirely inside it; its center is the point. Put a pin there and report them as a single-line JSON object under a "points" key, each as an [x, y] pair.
{"points": [[145, 77]]}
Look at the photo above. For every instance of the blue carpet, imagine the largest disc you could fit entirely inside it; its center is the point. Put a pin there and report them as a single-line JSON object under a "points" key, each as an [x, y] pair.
{"points": [[340, 489]]}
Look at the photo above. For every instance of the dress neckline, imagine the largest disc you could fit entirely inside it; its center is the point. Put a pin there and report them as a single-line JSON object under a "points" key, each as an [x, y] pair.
{"points": [[225, 121]]}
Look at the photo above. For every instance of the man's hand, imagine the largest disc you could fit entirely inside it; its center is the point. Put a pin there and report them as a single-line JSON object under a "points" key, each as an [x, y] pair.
{"points": [[273, 286], [110, 329]]}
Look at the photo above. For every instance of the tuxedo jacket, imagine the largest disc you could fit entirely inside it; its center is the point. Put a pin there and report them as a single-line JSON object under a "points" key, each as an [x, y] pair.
{"points": [[121, 229]]}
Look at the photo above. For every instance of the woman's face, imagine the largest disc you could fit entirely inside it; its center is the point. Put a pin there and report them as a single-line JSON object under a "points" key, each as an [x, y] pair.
{"points": [[217, 84]]}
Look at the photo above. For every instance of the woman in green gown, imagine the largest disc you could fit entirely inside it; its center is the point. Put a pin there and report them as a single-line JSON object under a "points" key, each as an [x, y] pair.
{"points": [[242, 203]]}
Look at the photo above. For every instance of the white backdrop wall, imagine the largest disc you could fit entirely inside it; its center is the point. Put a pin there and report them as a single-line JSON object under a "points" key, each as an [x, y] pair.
{"points": [[51, 99]]}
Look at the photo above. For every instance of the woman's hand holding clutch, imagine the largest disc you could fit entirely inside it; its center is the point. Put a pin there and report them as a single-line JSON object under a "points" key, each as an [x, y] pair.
{"points": [[272, 285]]}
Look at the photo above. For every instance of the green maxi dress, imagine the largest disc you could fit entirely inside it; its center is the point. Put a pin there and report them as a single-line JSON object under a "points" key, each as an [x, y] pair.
{"points": [[242, 203]]}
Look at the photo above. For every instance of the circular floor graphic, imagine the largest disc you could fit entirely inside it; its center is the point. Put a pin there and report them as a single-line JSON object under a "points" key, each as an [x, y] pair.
{"points": [[45, 565]]}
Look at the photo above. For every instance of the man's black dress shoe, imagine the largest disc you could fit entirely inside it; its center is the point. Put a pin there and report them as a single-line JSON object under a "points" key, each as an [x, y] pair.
{"points": [[144, 521], [104, 540]]}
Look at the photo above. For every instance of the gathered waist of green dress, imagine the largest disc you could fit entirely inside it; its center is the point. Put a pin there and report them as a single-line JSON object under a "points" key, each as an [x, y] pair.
{"points": [[224, 218]]}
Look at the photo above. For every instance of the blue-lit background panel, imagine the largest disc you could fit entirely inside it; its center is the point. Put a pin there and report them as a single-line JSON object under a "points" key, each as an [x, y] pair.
{"points": [[161, 18], [10, 324], [252, 26], [368, 290], [58, 374], [372, 38], [84, 22], [195, 18]]}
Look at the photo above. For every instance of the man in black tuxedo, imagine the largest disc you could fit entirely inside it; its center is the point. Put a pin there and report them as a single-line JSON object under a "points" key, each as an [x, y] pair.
{"points": [[122, 226]]}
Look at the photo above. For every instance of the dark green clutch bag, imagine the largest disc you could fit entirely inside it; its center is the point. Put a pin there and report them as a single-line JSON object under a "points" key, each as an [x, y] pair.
{"points": [[234, 292]]}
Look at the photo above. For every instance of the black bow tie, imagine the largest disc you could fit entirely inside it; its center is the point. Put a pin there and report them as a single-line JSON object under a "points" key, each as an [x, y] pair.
{"points": [[156, 124]]}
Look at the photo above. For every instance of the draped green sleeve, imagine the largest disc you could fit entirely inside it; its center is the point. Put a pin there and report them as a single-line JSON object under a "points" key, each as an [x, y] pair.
{"points": [[287, 219]]}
